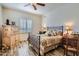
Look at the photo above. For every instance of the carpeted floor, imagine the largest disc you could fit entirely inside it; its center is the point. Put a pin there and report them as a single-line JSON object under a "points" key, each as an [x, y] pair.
{"points": [[24, 50]]}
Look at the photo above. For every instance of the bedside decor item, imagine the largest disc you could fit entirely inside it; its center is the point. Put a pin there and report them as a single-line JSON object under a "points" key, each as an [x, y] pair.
{"points": [[69, 27]]}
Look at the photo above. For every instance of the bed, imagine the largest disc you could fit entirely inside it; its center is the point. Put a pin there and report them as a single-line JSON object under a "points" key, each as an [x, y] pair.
{"points": [[43, 43]]}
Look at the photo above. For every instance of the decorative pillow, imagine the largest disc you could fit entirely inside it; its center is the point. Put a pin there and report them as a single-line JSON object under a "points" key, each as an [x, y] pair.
{"points": [[42, 32], [59, 33], [54, 33], [49, 33]]}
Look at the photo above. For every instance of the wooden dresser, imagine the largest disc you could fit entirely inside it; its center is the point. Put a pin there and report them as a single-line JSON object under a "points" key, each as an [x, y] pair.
{"points": [[10, 36]]}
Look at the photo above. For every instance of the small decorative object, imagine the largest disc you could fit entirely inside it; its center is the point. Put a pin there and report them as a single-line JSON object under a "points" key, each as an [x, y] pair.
{"points": [[7, 22], [13, 23]]}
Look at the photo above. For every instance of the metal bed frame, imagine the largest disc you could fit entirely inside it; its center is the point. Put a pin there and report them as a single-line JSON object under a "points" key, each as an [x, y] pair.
{"points": [[61, 28]]}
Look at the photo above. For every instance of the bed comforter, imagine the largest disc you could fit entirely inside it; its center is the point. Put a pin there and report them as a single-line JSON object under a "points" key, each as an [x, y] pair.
{"points": [[47, 43]]}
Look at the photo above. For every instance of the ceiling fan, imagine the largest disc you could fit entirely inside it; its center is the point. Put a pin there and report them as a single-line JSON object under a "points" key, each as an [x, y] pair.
{"points": [[34, 5]]}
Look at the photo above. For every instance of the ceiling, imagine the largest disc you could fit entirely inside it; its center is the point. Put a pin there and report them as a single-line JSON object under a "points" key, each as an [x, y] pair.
{"points": [[40, 10]]}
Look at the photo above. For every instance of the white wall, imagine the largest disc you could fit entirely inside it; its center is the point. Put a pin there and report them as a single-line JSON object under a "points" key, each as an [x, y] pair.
{"points": [[0, 15], [15, 15], [69, 12]]}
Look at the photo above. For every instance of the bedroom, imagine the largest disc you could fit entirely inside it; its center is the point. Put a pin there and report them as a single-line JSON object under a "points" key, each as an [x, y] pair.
{"points": [[61, 18]]}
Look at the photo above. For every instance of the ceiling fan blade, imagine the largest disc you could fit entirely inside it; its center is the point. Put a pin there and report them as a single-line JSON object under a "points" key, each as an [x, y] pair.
{"points": [[27, 4], [40, 4], [34, 7]]}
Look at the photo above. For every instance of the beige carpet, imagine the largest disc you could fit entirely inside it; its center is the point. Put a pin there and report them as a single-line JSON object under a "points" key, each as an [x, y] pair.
{"points": [[24, 50]]}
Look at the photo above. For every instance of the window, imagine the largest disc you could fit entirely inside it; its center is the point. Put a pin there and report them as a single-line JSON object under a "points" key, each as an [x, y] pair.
{"points": [[25, 25], [29, 25]]}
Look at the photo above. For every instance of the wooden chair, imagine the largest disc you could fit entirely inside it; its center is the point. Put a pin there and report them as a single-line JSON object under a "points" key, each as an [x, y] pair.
{"points": [[71, 44]]}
